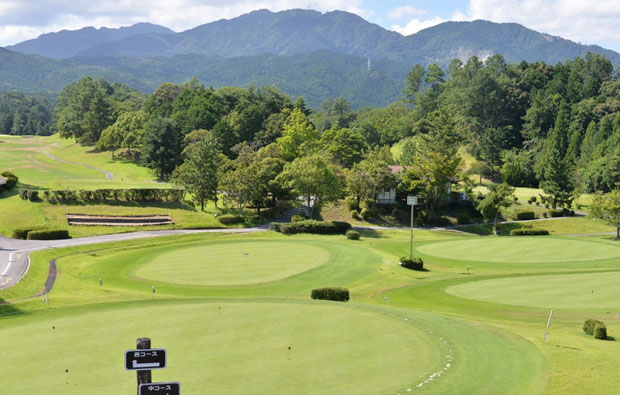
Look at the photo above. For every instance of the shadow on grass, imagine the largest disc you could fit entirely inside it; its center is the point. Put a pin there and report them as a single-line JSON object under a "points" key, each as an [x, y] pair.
{"points": [[7, 308], [487, 229]]}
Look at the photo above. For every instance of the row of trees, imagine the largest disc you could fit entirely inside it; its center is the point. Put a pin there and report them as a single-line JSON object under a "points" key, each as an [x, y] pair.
{"points": [[21, 114]]}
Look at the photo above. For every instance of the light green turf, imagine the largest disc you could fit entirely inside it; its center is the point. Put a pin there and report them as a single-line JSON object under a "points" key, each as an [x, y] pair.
{"points": [[240, 349], [569, 291], [521, 250], [226, 264]]}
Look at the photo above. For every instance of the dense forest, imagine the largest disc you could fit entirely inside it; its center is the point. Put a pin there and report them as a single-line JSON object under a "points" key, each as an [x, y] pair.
{"points": [[21, 114], [528, 124]]}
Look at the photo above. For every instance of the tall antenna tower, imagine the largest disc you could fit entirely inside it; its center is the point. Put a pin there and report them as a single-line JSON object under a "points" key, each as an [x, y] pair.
{"points": [[369, 64]]}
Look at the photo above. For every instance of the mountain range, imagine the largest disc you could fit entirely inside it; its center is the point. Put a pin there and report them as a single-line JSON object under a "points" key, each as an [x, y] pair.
{"points": [[303, 52]]}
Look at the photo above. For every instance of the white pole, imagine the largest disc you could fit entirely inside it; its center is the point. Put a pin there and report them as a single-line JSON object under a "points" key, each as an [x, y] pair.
{"points": [[547, 329], [411, 238]]}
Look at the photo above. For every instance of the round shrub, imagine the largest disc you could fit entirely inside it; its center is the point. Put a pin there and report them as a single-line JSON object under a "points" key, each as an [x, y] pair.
{"points": [[415, 263], [352, 234], [355, 215], [600, 331], [230, 219], [462, 219], [588, 326], [337, 294], [532, 199]]}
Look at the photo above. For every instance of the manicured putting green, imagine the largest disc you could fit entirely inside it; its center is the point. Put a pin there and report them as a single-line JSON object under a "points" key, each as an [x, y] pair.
{"points": [[576, 291], [240, 263], [241, 348], [521, 250]]}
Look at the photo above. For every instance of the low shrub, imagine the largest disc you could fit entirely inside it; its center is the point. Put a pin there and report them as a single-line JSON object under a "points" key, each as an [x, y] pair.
{"points": [[312, 226], [462, 219], [366, 214], [600, 331], [415, 263], [48, 234], [355, 215], [532, 199], [230, 219], [525, 215], [22, 233], [338, 294], [352, 234], [298, 218], [529, 232], [588, 326]]}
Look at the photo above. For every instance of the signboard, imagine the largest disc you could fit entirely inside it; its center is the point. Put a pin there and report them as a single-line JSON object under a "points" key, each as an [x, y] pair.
{"points": [[148, 359], [159, 389], [412, 200]]}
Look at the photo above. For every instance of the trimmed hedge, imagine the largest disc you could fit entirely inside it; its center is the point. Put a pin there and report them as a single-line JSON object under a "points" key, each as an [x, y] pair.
{"points": [[22, 233], [352, 235], [525, 215], [48, 234], [230, 219], [414, 264], [130, 195], [297, 218], [529, 232], [556, 213], [338, 294], [311, 226], [595, 328]]}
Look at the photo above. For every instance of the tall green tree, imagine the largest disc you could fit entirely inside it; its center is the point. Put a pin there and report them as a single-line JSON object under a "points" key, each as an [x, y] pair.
{"points": [[161, 146], [346, 146], [198, 173], [315, 178], [296, 132]]}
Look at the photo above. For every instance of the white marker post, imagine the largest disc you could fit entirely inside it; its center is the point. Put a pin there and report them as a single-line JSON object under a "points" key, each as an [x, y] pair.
{"points": [[547, 329]]}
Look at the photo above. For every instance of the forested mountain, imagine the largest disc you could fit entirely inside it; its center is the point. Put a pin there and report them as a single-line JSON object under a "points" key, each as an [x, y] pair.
{"points": [[315, 76], [69, 43], [306, 31]]}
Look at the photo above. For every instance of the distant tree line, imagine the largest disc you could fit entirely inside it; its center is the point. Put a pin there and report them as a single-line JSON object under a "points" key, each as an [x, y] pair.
{"points": [[22, 115]]}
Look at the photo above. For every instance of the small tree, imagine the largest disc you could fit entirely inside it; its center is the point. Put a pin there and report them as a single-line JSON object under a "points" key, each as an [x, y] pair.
{"points": [[607, 207], [499, 196], [313, 177]]}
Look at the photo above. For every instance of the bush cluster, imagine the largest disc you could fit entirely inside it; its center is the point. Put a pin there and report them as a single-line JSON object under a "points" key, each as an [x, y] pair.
{"points": [[355, 215], [338, 294], [532, 199], [415, 263], [529, 232], [525, 215], [351, 203], [48, 234], [595, 328], [10, 181], [311, 226], [352, 234], [130, 195], [230, 219]]}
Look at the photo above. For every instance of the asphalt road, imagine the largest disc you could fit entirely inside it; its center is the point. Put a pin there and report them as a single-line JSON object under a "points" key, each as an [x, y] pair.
{"points": [[15, 260]]}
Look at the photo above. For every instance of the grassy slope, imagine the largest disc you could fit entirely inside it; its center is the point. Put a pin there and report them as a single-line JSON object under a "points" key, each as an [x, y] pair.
{"points": [[25, 157]]}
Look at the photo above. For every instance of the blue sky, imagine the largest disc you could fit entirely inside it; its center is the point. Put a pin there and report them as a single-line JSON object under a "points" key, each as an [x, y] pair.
{"points": [[588, 22]]}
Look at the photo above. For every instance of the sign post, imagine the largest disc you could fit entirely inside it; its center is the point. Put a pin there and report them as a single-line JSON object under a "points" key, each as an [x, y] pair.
{"points": [[144, 359], [159, 389], [412, 201]]}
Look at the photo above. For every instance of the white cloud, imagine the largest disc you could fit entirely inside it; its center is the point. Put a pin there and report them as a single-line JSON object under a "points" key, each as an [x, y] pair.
{"points": [[578, 20], [415, 25], [405, 11], [21, 20]]}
